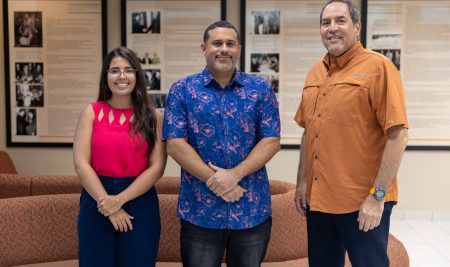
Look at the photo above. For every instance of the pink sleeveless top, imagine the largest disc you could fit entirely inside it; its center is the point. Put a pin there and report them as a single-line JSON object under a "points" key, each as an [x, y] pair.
{"points": [[114, 152]]}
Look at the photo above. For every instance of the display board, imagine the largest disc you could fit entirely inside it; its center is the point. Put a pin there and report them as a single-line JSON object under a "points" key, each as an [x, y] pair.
{"points": [[282, 42], [415, 35], [166, 36], [53, 55]]}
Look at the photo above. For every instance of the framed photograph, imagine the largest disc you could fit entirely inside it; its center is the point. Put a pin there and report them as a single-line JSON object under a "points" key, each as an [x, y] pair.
{"points": [[414, 36], [281, 42], [166, 36], [53, 53]]}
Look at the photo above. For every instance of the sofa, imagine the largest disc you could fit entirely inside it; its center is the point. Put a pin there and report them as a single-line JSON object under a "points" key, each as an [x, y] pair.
{"points": [[6, 163], [39, 213]]}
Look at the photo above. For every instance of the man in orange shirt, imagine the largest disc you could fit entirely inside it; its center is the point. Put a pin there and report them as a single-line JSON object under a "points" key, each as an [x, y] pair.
{"points": [[354, 115]]}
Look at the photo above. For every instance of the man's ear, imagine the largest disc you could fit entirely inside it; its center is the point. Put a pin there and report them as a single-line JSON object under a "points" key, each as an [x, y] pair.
{"points": [[203, 48], [358, 28]]}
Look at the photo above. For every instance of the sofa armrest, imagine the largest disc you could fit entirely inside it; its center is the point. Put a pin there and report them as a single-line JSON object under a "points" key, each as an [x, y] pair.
{"points": [[6, 163]]}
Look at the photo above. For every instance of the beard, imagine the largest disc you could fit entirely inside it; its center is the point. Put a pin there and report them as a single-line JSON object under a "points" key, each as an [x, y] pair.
{"points": [[225, 67]]}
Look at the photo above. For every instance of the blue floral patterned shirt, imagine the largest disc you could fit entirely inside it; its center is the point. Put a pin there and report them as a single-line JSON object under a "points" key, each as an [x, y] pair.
{"points": [[222, 125]]}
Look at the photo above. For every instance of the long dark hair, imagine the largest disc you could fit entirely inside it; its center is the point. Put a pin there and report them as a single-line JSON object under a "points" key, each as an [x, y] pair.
{"points": [[144, 111]]}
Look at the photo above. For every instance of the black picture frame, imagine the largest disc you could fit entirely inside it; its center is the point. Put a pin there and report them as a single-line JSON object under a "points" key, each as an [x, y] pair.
{"points": [[34, 46]]}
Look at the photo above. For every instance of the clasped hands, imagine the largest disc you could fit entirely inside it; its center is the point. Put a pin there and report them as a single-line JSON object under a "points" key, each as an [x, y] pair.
{"points": [[224, 183], [111, 206]]}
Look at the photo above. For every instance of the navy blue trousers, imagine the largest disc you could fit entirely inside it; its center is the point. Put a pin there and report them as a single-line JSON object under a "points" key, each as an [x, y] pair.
{"points": [[330, 235], [99, 244]]}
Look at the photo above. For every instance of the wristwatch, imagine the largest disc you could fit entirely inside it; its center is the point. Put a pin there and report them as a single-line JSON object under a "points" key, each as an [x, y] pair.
{"points": [[378, 193]]}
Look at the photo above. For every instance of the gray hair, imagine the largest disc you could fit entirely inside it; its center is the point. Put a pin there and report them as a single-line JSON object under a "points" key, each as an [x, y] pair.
{"points": [[354, 12]]}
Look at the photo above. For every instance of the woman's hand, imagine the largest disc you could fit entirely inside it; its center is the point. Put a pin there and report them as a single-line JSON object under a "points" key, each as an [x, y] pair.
{"points": [[121, 221], [109, 204]]}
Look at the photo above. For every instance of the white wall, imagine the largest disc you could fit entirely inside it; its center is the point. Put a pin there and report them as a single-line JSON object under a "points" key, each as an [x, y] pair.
{"points": [[424, 179]]}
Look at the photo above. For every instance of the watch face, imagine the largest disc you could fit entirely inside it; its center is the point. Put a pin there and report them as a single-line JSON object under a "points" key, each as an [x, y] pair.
{"points": [[379, 193]]}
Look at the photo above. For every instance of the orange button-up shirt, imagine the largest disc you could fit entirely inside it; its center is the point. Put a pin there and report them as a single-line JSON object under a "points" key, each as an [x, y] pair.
{"points": [[347, 106]]}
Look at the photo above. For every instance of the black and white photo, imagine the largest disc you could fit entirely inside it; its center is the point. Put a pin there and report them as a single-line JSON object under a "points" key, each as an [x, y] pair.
{"points": [[26, 121], [146, 22], [27, 29], [159, 100], [266, 22], [149, 58], [264, 62], [153, 78], [29, 84], [392, 54]]}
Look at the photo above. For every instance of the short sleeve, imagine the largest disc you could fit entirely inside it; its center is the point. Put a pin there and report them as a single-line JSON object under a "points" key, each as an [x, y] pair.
{"points": [[175, 116], [387, 96], [299, 115], [269, 116]]}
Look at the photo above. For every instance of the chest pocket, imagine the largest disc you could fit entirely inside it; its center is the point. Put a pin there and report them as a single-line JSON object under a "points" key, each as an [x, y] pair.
{"points": [[309, 99], [343, 105]]}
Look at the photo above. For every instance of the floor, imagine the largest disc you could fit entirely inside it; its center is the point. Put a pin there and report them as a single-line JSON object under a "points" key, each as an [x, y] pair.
{"points": [[426, 236]]}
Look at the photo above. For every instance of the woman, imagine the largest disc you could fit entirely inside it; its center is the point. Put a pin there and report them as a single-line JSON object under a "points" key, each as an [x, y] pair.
{"points": [[119, 156]]}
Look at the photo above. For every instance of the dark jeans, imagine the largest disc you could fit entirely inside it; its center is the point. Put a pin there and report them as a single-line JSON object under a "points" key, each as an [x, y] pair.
{"points": [[330, 235], [203, 247], [99, 244]]}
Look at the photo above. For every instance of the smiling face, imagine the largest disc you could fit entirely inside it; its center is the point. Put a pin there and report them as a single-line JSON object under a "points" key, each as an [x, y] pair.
{"points": [[121, 83], [221, 50], [337, 29]]}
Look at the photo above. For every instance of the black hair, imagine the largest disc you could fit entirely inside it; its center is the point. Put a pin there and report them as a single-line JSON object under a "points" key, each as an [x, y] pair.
{"points": [[219, 24]]}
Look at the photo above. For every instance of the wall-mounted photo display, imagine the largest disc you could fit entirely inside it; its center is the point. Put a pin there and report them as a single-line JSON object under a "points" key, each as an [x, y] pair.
{"points": [[414, 35], [53, 53], [27, 29], [282, 42], [29, 83], [166, 36]]}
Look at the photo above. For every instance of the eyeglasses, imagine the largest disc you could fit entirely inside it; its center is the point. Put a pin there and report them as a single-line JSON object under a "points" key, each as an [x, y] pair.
{"points": [[128, 71]]}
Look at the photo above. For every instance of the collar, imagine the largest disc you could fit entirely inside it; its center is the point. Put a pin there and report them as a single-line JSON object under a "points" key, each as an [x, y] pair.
{"points": [[237, 77], [343, 59]]}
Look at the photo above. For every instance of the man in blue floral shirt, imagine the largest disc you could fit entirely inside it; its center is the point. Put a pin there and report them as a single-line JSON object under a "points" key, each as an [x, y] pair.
{"points": [[222, 126]]}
